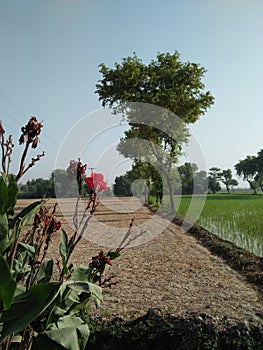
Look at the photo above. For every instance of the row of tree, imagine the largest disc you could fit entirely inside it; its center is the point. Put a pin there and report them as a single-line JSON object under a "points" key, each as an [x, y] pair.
{"points": [[216, 175], [57, 185], [249, 169], [145, 180], [187, 179], [60, 184]]}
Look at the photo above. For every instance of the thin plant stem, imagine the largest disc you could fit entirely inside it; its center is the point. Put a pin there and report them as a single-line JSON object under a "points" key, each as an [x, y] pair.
{"points": [[22, 162], [3, 153]]}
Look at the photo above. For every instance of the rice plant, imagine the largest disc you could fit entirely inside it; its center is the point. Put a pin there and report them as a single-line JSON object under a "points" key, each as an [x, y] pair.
{"points": [[237, 218]]}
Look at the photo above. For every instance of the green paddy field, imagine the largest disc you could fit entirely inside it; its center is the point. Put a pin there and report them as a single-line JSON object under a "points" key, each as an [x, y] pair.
{"points": [[234, 217]]}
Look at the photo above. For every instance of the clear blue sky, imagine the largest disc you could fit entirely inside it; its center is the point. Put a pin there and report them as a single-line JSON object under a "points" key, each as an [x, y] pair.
{"points": [[50, 52]]}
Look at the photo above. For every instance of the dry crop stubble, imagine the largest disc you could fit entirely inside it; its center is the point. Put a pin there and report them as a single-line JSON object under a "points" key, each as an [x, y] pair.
{"points": [[173, 271]]}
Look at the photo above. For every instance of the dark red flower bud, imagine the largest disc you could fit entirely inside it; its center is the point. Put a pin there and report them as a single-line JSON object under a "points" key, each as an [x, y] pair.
{"points": [[35, 142], [21, 139], [2, 131]]}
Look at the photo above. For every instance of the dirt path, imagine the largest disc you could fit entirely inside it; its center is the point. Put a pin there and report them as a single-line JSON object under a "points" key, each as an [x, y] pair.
{"points": [[167, 270]]}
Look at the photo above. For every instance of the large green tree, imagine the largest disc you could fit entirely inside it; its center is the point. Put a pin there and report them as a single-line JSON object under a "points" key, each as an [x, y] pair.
{"points": [[248, 169], [192, 180], [227, 179], [213, 179], [167, 82], [259, 166], [186, 172], [152, 183]]}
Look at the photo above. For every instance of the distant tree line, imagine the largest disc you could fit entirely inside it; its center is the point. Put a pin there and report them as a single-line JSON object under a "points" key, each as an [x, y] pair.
{"points": [[249, 169], [58, 185], [188, 179]]}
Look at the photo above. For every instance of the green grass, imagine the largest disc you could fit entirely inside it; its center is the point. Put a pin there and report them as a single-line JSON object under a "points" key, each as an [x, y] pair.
{"points": [[234, 217]]}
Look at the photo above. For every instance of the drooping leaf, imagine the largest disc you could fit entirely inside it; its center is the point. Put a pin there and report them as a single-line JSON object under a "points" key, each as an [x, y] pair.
{"points": [[45, 273], [11, 198], [29, 249], [23, 260], [65, 301], [20, 288], [27, 306], [64, 250], [3, 194], [74, 296], [71, 332], [113, 255], [8, 194], [21, 265], [24, 217], [81, 273], [86, 287], [63, 247], [4, 241], [7, 285]]}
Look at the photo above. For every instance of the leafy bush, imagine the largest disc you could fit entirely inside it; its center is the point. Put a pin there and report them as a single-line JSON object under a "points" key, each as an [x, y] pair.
{"points": [[37, 309]]}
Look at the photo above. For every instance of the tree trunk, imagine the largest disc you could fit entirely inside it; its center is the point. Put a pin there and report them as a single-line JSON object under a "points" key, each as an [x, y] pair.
{"points": [[252, 186], [148, 190], [171, 194], [167, 177]]}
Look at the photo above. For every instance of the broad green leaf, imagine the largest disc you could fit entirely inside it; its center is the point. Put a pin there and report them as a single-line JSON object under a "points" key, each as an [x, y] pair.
{"points": [[3, 194], [81, 273], [12, 191], [8, 195], [63, 247], [113, 255], [29, 249], [69, 331], [21, 265], [4, 241], [20, 288], [74, 296], [26, 214], [87, 287], [7, 285], [27, 306], [64, 250], [45, 273], [64, 302], [71, 242]]}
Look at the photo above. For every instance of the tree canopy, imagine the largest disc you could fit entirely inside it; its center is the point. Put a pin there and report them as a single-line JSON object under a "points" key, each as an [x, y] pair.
{"points": [[136, 89], [251, 170]]}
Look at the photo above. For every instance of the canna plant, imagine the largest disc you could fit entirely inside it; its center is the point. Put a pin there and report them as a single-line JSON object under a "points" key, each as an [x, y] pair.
{"points": [[39, 308]]}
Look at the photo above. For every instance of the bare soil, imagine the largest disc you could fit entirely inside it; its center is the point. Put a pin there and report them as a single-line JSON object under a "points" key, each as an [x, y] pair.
{"points": [[166, 268]]}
